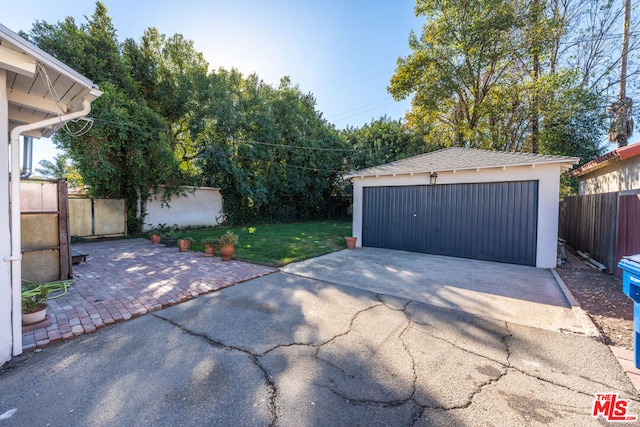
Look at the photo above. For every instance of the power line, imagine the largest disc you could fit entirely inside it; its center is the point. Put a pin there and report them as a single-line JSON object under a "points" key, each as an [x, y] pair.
{"points": [[360, 69], [359, 81], [386, 98], [147, 130], [364, 111]]}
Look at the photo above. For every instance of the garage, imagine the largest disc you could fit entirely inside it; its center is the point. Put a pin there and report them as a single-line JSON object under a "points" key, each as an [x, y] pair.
{"points": [[461, 202], [488, 221]]}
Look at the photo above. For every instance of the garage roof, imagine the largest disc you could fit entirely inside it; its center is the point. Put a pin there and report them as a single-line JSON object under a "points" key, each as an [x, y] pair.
{"points": [[455, 159]]}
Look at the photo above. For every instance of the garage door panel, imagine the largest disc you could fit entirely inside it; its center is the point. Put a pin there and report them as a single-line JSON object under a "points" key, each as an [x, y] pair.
{"points": [[488, 221]]}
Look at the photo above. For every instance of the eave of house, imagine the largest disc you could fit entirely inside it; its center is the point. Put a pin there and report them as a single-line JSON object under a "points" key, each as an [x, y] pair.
{"points": [[616, 155], [39, 87]]}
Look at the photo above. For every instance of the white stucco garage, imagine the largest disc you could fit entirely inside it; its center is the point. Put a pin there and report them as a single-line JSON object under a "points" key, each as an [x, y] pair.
{"points": [[463, 202]]}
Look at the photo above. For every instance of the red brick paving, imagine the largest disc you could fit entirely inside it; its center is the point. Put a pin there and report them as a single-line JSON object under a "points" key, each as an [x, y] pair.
{"points": [[124, 279]]}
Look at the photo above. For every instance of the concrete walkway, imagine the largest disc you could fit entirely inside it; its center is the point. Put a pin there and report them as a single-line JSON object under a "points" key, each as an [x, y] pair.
{"points": [[123, 279], [288, 350]]}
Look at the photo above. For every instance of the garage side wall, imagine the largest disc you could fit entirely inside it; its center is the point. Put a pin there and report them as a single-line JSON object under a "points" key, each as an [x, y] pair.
{"points": [[547, 175]]}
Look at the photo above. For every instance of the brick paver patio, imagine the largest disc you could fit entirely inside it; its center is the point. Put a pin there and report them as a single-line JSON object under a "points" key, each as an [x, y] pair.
{"points": [[123, 279]]}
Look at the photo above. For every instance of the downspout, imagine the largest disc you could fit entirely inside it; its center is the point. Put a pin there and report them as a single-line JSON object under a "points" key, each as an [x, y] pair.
{"points": [[16, 245]]}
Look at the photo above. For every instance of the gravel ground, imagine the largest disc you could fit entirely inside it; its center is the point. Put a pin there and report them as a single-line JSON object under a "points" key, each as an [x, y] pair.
{"points": [[600, 295]]}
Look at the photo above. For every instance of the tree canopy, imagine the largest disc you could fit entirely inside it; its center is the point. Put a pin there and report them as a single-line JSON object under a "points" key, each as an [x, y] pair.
{"points": [[495, 74], [510, 75]]}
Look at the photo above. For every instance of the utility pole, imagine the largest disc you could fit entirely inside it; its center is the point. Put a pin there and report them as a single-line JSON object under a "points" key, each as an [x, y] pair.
{"points": [[621, 111]]}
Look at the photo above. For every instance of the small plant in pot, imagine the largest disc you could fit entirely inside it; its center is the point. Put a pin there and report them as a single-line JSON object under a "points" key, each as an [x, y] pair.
{"points": [[156, 233], [227, 243], [34, 304], [170, 236], [184, 243], [210, 245]]}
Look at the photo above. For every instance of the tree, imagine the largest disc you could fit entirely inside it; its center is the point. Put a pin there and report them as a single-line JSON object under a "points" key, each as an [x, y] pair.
{"points": [[129, 152], [268, 149], [461, 55], [60, 168], [381, 141], [495, 74]]}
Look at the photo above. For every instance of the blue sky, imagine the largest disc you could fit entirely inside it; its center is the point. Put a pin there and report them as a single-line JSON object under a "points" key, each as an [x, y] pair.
{"points": [[342, 51]]}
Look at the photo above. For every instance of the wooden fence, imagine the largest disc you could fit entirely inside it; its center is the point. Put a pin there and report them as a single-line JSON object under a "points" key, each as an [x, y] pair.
{"points": [[602, 225], [98, 217]]}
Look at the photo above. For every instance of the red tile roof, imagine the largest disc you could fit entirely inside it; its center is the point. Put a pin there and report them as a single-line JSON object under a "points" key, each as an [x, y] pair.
{"points": [[622, 153]]}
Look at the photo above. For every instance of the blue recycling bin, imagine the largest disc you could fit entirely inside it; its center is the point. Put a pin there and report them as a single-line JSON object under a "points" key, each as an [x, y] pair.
{"points": [[631, 287]]}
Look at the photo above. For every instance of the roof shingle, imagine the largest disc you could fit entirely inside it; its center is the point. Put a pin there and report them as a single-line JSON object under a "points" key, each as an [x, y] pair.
{"points": [[455, 158]]}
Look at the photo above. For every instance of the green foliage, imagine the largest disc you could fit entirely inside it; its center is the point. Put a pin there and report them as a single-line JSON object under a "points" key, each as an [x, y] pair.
{"points": [[164, 121], [381, 141], [34, 298], [268, 150], [488, 74], [210, 240], [60, 168], [119, 161], [229, 238]]}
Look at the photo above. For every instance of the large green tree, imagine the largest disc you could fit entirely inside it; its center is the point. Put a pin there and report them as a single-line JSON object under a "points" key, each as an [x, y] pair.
{"points": [[492, 74], [129, 151], [268, 149]]}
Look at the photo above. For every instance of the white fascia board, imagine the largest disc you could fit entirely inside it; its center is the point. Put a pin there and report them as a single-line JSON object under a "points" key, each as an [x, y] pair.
{"points": [[564, 163]]}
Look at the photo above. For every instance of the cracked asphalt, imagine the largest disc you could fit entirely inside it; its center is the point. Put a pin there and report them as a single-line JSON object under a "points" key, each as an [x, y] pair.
{"points": [[287, 350]]}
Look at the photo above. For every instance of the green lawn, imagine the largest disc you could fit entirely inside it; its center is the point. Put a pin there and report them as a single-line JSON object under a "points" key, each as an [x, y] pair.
{"points": [[280, 244]]}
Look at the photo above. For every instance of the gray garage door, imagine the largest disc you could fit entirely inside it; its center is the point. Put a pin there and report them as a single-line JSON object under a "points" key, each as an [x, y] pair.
{"points": [[488, 221]]}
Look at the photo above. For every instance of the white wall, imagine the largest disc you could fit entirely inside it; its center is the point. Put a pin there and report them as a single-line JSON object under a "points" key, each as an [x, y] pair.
{"points": [[623, 175], [204, 207], [548, 176]]}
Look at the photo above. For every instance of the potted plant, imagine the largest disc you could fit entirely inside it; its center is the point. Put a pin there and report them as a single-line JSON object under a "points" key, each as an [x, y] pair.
{"points": [[34, 304], [184, 243], [156, 233], [170, 236], [210, 245], [227, 243]]}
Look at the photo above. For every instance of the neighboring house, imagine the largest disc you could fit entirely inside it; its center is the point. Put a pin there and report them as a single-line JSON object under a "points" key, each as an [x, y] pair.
{"points": [[38, 94], [603, 219], [461, 202], [616, 171]]}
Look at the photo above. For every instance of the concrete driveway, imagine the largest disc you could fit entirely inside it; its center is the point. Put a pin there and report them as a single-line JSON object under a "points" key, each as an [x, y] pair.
{"points": [[518, 294], [328, 350]]}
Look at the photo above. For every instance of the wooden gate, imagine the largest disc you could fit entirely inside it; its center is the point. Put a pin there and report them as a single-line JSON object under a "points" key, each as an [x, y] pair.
{"points": [[44, 230]]}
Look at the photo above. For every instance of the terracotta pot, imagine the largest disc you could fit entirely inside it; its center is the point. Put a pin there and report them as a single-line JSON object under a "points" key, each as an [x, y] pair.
{"points": [[210, 249], [155, 238], [183, 245], [226, 252], [34, 317], [351, 242]]}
